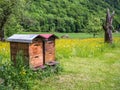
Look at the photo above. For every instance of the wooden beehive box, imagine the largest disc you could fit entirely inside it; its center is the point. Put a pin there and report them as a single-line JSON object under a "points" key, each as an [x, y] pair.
{"points": [[48, 47], [37, 49]]}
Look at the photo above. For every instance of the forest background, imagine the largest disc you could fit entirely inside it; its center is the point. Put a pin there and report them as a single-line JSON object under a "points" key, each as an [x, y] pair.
{"points": [[68, 16]]}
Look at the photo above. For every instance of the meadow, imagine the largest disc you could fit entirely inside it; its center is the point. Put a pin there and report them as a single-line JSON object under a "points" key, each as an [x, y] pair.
{"points": [[73, 35], [88, 64]]}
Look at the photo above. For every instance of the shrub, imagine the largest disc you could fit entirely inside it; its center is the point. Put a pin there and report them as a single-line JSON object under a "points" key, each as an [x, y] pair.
{"points": [[20, 76]]}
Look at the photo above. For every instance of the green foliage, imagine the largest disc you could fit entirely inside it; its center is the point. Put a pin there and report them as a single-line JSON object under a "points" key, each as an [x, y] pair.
{"points": [[94, 26], [12, 26], [58, 16], [20, 76], [9, 16], [15, 75]]}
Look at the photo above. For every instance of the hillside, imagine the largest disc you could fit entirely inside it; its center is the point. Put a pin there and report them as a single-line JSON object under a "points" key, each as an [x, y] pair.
{"points": [[60, 15]]}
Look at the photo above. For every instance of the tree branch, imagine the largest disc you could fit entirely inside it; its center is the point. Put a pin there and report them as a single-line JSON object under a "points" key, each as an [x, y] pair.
{"points": [[111, 18], [108, 16]]}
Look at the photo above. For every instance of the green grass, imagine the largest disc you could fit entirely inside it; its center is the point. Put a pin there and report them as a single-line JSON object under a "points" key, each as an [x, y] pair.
{"points": [[116, 34], [73, 35], [98, 73]]}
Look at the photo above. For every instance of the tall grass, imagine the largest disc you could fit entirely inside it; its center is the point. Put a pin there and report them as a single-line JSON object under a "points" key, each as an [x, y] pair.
{"points": [[89, 64], [66, 48], [4, 52]]}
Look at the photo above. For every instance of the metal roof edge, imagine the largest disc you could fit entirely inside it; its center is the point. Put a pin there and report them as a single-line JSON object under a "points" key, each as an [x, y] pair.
{"points": [[19, 38]]}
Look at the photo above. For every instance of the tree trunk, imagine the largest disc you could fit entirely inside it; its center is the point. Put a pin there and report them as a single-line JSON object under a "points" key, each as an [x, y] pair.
{"points": [[2, 34], [108, 27], [108, 36]]}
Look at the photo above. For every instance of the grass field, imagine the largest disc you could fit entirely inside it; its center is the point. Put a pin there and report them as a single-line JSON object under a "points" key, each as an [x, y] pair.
{"points": [[86, 71], [88, 64], [101, 73], [73, 35]]}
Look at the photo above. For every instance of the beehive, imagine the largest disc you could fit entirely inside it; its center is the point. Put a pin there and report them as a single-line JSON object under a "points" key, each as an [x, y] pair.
{"points": [[48, 47], [38, 49]]}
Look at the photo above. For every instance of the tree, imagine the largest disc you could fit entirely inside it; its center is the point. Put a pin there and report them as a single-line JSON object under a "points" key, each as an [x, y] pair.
{"points": [[10, 11], [4, 15], [54, 15], [108, 27], [94, 26]]}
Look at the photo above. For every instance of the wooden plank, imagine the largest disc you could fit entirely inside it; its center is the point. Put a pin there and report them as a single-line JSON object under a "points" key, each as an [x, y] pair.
{"points": [[36, 54], [49, 51]]}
